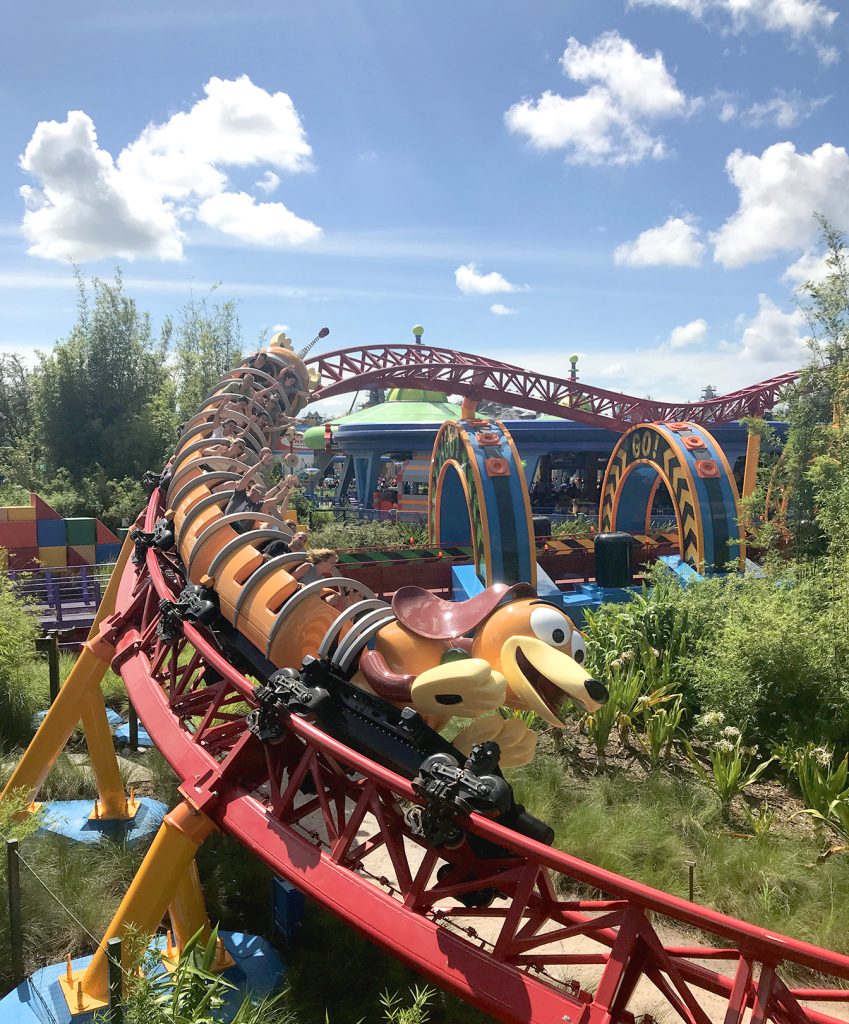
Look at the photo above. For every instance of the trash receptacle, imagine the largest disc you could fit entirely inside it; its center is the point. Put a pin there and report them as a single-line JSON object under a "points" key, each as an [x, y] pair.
{"points": [[542, 526], [613, 559]]}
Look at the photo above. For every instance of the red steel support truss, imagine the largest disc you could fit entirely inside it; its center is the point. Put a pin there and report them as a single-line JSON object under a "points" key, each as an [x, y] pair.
{"points": [[422, 366], [566, 941]]}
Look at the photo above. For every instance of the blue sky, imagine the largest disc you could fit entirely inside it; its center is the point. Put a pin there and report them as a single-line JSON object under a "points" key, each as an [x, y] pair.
{"points": [[631, 180]]}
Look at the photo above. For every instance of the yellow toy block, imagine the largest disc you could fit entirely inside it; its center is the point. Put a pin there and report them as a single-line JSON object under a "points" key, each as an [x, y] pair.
{"points": [[53, 558], [20, 513]]}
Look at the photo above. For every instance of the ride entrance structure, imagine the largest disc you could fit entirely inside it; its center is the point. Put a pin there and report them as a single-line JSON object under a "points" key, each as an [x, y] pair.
{"points": [[434, 862]]}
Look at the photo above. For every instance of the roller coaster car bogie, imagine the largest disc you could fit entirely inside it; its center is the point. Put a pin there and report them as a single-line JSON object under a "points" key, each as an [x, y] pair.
{"points": [[155, 481], [160, 537], [451, 784], [196, 603]]}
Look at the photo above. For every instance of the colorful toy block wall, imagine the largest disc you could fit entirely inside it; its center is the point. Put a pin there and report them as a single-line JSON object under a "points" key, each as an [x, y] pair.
{"points": [[36, 535]]}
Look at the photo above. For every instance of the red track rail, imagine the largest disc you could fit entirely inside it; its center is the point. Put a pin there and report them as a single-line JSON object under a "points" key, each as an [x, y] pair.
{"points": [[518, 959], [460, 373]]}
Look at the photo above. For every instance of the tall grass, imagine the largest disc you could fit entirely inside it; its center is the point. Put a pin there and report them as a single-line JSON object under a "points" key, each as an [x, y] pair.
{"points": [[649, 829]]}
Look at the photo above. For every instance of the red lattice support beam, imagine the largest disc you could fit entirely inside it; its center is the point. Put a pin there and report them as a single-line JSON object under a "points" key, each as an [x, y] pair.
{"points": [[461, 373]]}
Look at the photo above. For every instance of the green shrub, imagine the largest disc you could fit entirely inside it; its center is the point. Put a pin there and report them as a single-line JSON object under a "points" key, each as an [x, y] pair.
{"points": [[368, 534], [773, 664], [730, 768], [577, 527], [18, 632]]}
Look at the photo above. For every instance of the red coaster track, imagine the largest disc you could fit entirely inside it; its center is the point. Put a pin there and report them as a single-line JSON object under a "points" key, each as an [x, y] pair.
{"points": [[460, 373], [566, 941]]}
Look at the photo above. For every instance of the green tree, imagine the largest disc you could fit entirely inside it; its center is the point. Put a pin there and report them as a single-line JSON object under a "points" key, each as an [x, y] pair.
{"points": [[15, 400], [207, 342], [826, 308], [98, 399], [815, 465]]}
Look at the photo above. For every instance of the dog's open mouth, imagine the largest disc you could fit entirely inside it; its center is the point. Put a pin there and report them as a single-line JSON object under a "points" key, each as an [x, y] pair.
{"points": [[549, 693]]}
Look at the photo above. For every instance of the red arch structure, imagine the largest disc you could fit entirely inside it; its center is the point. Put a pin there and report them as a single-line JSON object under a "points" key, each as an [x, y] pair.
{"points": [[461, 373]]}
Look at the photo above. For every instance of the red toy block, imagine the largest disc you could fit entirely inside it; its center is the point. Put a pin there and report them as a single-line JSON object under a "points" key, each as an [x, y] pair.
{"points": [[21, 534], [105, 535], [42, 509], [23, 558]]}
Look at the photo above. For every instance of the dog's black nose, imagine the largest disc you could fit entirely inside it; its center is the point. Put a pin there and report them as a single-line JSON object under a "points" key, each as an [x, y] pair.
{"points": [[597, 691]]}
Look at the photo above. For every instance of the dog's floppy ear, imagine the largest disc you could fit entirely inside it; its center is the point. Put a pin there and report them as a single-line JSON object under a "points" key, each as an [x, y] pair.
{"points": [[429, 616]]}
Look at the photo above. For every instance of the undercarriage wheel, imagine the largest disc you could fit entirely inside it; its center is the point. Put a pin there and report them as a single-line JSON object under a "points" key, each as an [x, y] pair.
{"points": [[474, 898]]}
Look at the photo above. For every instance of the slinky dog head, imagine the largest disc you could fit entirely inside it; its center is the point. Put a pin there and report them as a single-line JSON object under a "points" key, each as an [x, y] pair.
{"points": [[534, 645]]}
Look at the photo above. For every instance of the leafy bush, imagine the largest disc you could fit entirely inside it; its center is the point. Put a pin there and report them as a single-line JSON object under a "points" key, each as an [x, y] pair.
{"points": [[366, 534], [773, 662], [577, 527], [18, 632], [730, 768], [825, 788]]}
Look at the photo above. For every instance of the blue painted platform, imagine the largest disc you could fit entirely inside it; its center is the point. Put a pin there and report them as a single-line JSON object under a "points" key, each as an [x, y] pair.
{"points": [[112, 717], [466, 583], [39, 1000], [685, 572], [122, 735], [70, 818]]}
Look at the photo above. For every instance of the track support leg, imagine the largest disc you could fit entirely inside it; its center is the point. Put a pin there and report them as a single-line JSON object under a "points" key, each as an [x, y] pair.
{"points": [[750, 479], [187, 909], [167, 877], [81, 699]]}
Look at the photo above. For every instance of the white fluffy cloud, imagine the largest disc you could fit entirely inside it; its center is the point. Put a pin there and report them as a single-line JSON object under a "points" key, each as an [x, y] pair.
{"points": [[268, 183], [240, 215], [613, 370], [609, 123], [810, 266], [693, 333], [773, 335], [673, 244], [784, 110], [499, 309], [83, 207], [800, 18], [471, 282], [779, 192], [88, 206]]}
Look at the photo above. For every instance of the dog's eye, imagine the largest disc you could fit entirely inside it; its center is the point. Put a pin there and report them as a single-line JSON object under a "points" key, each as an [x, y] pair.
{"points": [[579, 648], [551, 626]]}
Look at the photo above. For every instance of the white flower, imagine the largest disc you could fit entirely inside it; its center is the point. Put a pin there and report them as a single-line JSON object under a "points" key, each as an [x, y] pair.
{"points": [[730, 733], [724, 747], [822, 755]]}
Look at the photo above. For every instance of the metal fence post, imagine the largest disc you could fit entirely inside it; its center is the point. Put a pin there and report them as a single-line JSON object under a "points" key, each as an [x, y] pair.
{"points": [[53, 664], [49, 645], [116, 995], [133, 721], [16, 928]]}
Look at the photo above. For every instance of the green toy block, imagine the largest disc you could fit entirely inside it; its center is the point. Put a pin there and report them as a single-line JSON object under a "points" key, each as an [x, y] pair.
{"points": [[81, 532]]}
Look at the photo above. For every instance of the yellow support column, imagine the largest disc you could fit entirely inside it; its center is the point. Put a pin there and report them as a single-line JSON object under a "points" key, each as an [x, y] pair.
{"points": [[160, 878], [750, 479], [750, 473], [80, 698], [188, 908]]}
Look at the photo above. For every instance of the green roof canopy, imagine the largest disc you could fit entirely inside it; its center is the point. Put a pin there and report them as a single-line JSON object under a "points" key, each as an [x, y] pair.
{"points": [[411, 406]]}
